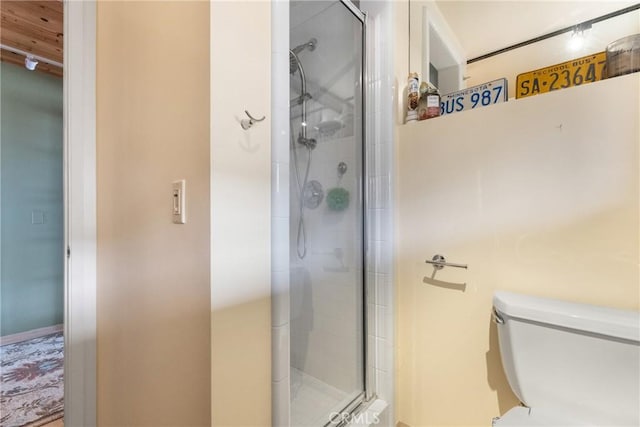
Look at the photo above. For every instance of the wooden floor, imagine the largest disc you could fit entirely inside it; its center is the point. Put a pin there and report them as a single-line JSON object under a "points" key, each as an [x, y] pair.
{"points": [[56, 423]]}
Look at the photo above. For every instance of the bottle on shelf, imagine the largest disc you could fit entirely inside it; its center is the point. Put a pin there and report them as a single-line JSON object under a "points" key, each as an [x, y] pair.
{"points": [[422, 104], [413, 97], [430, 101]]}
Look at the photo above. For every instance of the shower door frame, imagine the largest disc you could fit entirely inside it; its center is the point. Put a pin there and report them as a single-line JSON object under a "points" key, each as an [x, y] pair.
{"points": [[367, 355], [368, 394]]}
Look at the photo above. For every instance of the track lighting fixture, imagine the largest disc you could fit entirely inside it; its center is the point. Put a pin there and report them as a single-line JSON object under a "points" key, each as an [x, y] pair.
{"points": [[30, 62], [576, 42]]}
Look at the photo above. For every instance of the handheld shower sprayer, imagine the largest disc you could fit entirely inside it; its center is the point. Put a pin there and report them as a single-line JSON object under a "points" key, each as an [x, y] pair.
{"points": [[309, 143]]}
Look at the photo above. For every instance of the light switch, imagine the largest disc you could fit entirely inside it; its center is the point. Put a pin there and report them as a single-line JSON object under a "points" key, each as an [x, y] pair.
{"points": [[37, 217], [179, 202]]}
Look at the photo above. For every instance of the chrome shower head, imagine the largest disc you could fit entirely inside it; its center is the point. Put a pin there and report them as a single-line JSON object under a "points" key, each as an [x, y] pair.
{"points": [[293, 63]]}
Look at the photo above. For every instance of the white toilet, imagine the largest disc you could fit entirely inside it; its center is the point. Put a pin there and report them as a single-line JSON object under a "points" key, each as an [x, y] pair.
{"points": [[569, 364]]}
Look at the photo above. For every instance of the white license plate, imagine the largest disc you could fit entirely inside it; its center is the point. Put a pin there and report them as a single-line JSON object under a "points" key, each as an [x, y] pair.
{"points": [[479, 96]]}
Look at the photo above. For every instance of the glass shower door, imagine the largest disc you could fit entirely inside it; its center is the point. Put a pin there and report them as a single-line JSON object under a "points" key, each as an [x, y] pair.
{"points": [[327, 211]]}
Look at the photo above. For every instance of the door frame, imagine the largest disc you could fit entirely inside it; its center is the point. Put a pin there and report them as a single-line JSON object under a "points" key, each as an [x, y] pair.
{"points": [[79, 84]]}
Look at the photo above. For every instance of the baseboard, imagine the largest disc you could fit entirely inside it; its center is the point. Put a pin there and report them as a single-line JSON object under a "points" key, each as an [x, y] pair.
{"points": [[28, 335], [46, 420]]}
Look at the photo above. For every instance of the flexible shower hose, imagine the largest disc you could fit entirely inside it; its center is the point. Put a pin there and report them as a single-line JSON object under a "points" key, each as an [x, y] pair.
{"points": [[301, 240]]}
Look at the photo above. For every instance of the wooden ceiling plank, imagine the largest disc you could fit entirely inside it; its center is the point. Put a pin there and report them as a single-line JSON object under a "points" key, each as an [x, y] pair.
{"points": [[31, 23], [38, 34], [28, 44], [33, 13], [51, 10], [33, 26]]}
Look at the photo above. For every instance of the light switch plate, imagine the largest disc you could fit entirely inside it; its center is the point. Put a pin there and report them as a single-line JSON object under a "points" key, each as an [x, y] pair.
{"points": [[37, 217], [179, 202]]}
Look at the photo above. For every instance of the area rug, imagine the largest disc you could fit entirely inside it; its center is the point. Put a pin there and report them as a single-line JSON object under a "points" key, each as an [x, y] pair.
{"points": [[31, 381]]}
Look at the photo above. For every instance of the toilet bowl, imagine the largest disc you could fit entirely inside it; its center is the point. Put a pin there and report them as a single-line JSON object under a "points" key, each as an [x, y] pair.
{"points": [[569, 364]]}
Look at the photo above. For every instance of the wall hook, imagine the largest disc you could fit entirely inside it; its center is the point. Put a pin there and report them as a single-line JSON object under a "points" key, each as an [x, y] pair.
{"points": [[246, 124]]}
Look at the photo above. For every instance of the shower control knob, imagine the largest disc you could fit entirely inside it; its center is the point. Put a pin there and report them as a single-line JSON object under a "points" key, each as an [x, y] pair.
{"points": [[312, 194]]}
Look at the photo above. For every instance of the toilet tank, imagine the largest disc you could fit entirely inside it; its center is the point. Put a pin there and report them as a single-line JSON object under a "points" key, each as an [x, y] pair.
{"points": [[582, 361]]}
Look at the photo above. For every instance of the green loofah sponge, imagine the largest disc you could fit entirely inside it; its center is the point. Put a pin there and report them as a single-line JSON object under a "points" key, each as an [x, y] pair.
{"points": [[338, 199]]}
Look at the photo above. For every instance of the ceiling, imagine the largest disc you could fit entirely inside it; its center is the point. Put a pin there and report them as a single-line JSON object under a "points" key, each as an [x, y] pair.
{"points": [[34, 27], [482, 27], [474, 22]]}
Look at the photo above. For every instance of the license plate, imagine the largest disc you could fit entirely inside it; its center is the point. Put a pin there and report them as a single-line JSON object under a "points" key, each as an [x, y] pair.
{"points": [[576, 72], [482, 95]]}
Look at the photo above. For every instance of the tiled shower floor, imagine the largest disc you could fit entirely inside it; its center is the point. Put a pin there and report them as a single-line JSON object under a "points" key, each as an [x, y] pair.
{"points": [[313, 400]]}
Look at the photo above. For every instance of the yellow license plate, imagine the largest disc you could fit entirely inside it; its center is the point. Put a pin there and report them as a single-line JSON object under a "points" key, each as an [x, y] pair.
{"points": [[576, 72]]}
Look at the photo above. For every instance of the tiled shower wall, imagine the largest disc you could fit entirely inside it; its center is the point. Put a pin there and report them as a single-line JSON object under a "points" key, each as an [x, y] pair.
{"points": [[379, 147]]}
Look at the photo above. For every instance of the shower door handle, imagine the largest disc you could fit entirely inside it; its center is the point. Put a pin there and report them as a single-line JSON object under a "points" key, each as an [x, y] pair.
{"points": [[439, 262]]}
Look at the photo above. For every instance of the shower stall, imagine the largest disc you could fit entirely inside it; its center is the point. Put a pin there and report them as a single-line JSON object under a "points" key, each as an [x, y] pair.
{"points": [[327, 211]]}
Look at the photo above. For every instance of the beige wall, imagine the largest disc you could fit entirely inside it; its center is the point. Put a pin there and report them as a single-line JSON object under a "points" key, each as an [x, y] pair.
{"points": [[538, 196], [240, 214], [153, 276]]}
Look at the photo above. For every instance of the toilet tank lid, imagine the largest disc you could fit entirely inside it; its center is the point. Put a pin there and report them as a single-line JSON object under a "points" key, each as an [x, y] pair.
{"points": [[612, 322]]}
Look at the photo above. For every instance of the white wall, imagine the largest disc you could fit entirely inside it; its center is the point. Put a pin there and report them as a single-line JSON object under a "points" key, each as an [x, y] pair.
{"points": [[240, 214], [433, 41], [538, 196]]}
